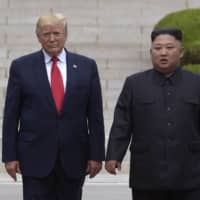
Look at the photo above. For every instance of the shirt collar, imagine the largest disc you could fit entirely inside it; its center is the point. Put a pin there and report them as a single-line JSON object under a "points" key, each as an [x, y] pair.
{"points": [[172, 79], [61, 56]]}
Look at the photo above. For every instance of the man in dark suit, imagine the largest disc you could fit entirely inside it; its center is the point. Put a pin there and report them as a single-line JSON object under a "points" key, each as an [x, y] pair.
{"points": [[158, 114], [53, 130]]}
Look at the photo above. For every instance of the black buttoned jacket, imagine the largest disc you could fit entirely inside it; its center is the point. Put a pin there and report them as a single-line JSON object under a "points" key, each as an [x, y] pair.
{"points": [[160, 118]]}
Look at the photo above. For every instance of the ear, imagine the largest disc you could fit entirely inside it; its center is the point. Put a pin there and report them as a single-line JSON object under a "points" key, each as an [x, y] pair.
{"points": [[150, 50], [37, 34], [66, 36], [182, 52]]}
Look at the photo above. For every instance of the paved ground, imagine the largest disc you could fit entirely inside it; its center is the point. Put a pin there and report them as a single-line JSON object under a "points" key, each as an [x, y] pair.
{"points": [[91, 192], [102, 187]]}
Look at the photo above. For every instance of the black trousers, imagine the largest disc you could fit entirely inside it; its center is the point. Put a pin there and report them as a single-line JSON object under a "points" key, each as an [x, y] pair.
{"points": [[56, 186], [166, 195]]}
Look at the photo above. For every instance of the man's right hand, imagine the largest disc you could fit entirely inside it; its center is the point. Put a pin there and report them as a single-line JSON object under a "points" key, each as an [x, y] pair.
{"points": [[12, 168], [112, 165]]}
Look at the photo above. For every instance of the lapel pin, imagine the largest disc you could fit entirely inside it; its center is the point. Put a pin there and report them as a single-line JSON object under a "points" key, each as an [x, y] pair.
{"points": [[75, 66]]}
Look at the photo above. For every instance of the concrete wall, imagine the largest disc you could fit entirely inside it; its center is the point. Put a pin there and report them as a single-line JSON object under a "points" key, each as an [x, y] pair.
{"points": [[114, 32]]}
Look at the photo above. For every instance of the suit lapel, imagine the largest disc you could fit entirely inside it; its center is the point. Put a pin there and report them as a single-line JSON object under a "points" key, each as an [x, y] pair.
{"points": [[42, 79], [70, 77], [43, 82]]}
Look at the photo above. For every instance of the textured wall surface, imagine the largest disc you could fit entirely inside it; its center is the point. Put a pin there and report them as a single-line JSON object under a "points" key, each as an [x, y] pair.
{"points": [[116, 33]]}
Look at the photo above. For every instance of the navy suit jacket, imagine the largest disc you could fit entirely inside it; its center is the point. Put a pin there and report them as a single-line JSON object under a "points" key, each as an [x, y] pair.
{"points": [[35, 134]]}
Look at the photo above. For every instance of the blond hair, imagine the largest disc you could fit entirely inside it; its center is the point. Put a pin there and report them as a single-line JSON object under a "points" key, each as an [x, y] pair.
{"points": [[52, 18]]}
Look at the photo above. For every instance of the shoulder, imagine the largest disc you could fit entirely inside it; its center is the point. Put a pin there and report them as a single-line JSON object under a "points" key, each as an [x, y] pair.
{"points": [[85, 64], [25, 60], [28, 57], [137, 80], [188, 75], [139, 76], [79, 57]]}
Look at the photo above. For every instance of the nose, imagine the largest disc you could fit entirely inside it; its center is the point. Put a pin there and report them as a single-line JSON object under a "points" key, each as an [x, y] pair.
{"points": [[51, 37], [163, 51]]}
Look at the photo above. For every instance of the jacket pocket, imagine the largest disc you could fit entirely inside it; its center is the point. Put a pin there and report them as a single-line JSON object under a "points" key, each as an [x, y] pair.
{"points": [[191, 100], [26, 136], [145, 100], [140, 147], [194, 146]]}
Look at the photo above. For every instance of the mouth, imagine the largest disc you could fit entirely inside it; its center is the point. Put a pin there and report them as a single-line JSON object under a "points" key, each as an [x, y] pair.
{"points": [[163, 61], [52, 45], [52, 48]]}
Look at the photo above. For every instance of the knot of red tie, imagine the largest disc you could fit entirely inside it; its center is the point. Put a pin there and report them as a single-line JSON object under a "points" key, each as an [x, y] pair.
{"points": [[54, 59]]}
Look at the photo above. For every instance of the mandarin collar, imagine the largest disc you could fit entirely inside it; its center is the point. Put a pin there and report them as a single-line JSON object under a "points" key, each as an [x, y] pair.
{"points": [[172, 79]]}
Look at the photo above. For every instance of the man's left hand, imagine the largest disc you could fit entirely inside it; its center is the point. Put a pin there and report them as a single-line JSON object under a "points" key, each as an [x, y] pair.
{"points": [[93, 168]]}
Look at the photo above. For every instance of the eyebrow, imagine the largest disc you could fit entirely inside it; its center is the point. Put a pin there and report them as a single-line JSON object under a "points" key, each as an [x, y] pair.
{"points": [[164, 44], [169, 43]]}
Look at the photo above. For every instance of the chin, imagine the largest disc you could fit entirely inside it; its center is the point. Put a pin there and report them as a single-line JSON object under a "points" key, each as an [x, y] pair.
{"points": [[53, 53]]}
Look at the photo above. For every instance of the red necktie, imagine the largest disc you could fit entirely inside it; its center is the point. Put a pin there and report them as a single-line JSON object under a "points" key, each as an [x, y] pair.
{"points": [[57, 87]]}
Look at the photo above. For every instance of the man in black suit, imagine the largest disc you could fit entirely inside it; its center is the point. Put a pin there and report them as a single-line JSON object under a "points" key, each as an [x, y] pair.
{"points": [[53, 130], [158, 114]]}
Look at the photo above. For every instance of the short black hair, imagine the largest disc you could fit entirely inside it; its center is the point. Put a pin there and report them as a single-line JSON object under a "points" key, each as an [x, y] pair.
{"points": [[170, 31]]}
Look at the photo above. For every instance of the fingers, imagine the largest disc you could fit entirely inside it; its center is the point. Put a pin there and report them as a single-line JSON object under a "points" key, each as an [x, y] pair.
{"points": [[18, 168], [12, 173], [12, 168], [93, 172], [94, 167], [119, 166], [112, 165]]}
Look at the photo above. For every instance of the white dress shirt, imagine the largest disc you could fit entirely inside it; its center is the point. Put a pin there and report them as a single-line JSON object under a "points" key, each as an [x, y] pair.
{"points": [[61, 63]]}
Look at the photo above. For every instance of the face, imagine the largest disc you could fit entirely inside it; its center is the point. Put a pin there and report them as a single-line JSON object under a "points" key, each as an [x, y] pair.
{"points": [[52, 38], [166, 53]]}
